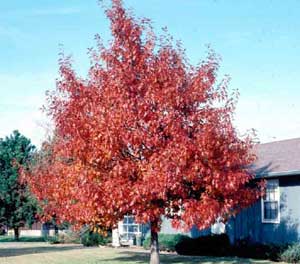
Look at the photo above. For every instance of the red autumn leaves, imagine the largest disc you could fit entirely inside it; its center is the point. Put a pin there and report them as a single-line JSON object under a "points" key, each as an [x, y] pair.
{"points": [[145, 133]]}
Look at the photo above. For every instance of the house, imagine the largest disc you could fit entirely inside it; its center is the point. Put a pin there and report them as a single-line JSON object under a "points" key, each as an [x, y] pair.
{"points": [[276, 217], [37, 229], [273, 219]]}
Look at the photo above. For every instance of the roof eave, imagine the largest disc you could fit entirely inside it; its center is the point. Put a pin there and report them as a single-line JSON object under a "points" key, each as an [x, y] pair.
{"points": [[278, 174]]}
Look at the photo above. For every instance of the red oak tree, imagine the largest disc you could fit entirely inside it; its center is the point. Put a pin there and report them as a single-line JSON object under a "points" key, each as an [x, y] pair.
{"points": [[145, 133]]}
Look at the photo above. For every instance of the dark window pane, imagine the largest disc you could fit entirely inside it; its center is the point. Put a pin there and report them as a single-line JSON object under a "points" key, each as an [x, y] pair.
{"points": [[132, 228], [270, 210], [131, 236], [130, 219], [271, 191]]}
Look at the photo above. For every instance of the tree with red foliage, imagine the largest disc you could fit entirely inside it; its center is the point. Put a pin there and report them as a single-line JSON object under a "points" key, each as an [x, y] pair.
{"points": [[145, 133]]}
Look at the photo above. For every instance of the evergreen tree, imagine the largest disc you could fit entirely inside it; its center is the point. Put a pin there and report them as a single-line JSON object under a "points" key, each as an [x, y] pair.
{"points": [[17, 206]]}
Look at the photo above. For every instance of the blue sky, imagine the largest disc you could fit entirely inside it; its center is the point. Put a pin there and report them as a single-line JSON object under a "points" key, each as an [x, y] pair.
{"points": [[259, 41]]}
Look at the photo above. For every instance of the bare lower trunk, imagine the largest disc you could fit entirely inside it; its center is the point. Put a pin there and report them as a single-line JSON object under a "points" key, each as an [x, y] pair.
{"points": [[56, 230], [154, 249], [16, 232]]}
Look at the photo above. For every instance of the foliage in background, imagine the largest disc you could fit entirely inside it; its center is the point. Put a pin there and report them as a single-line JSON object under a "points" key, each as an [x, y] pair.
{"points": [[52, 239], [69, 236], [291, 254], [91, 239], [65, 237], [167, 242], [17, 205]]}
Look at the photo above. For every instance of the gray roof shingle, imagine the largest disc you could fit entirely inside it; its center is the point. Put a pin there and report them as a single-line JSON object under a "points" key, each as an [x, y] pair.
{"points": [[278, 158]]}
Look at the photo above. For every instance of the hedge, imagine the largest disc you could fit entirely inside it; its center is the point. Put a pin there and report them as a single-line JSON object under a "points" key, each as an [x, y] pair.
{"points": [[167, 242]]}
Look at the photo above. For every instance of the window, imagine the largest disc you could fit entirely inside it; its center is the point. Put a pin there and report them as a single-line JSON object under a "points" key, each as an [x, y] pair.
{"points": [[130, 228], [271, 203]]}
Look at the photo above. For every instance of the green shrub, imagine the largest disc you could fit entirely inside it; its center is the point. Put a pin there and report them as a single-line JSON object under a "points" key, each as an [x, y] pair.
{"points": [[68, 237], [245, 249], [63, 237], [91, 239], [291, 254], [52, 239], [259, 251], [219, 245], [214, 245], [167, 242]]}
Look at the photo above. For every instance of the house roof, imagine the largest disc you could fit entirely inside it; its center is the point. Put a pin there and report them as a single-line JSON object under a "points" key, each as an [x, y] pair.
{"points": [[279, 158]]}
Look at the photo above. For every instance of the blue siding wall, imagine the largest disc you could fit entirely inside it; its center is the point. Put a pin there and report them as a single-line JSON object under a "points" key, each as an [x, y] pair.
{"points": [[248, 224]]}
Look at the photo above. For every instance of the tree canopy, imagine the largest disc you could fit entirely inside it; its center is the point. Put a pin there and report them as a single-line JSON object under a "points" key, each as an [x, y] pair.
{"points": [[17, 206], [144, 133]]}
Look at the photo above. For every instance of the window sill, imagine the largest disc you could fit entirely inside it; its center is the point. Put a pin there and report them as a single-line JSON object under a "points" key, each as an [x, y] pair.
{"points": [[264, 221]]}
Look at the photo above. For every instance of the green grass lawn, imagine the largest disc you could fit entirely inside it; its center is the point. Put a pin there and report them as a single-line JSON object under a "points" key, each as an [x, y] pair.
{"points": [[44, 253], [22, 239]]}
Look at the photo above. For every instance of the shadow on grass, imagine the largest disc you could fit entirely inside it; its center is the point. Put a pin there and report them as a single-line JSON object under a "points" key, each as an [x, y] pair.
{"points": [[19, 251], [143, 258]]}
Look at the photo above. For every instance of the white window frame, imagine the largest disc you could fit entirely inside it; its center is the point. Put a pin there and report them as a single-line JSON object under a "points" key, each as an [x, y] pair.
{"points": [[276, 199], [125, 227]]}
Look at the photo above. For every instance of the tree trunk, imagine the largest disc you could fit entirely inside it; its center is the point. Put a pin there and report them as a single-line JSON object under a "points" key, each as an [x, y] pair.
{"points": [[17, 234], [55, 230], [154, 248]]}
